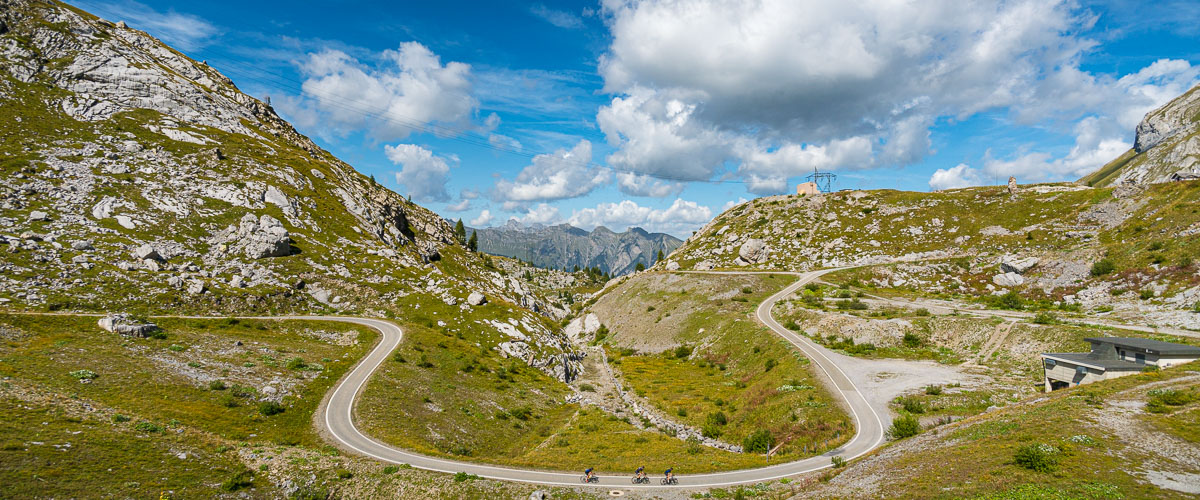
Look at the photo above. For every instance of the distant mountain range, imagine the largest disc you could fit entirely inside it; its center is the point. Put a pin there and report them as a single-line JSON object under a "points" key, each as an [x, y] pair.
{"points": [[567, 246]]}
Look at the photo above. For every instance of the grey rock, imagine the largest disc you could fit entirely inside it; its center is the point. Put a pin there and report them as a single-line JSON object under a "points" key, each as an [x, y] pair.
{"points": [[124, 325], [1008, 279], [476, 299], [152, 265], [753, 251], [147, 252], [82, 245], [196, 287], [261, 237], [38, 216], [1013, 264], [175, 282]]}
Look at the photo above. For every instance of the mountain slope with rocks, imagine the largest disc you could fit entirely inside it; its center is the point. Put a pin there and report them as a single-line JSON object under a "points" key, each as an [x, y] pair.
{"points": [[1166, 148], [565, 246], [136, 179]]}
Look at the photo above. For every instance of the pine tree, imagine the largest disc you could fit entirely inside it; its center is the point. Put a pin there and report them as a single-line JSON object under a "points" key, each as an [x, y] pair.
{"points": [[461, 231], [639, 267], [473, 243], [660, 256]]}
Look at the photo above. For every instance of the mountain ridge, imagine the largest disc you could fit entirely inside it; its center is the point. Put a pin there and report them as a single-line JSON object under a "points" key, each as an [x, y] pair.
{"points": [[563, 246]]}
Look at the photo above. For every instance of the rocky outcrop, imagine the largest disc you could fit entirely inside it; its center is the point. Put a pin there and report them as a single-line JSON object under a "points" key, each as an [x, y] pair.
{"points": [[1018, 265], [124, 324], [753, 251], [1008, 279], [259, 237], [1166, 148]]}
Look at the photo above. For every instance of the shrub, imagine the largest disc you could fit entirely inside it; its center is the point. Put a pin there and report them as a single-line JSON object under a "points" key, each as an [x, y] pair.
{"points": [[296, 363], [904, 426], [269, 408], [399, 358], [912, 340], [1146, 294], [838, 462], [1102, 267], [343, 474], [693, 447], [1045, 318], [770, 364], [118, 418], [710, 431], [82, 375], [912, 405], [1160, 399], [587, 388], [791, 324], [391, 469], [747, 290], [852, 305], [176, 348], [217, 385], [683, 351], [521, 412], [717, 418], [145, 426], [759, 441], [229, 401], [933, 390], [463, 476], [600, 334], [1011, 300], [239, 480], [1037, 457], [681, 412], [424, 362]]}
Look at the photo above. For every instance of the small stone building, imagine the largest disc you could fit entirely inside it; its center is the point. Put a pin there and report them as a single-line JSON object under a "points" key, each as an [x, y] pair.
{"points": [[808, 189], [1112, 357]]}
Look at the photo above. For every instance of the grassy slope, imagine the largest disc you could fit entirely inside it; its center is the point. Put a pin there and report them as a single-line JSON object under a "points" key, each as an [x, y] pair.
{"points": [[1091, 425], [728, 369]]}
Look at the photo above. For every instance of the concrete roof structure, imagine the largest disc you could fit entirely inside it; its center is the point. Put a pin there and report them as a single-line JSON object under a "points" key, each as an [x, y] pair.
{"points": [[1090, 360], [1147, 345]]}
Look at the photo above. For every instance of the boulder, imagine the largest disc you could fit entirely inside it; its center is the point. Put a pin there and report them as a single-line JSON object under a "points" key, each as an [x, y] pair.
{"points": [[196, 287], [1008, 279], [704, 265], [147, 252], [261, 237], [671, 266], [753, 251], [38, 215], [123, 324], [476, 299], [1013, 264], [82, 245]]}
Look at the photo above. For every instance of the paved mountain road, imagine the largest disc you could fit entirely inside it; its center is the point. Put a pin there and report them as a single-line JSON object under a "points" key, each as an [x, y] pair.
{"points": [[336, 418]]}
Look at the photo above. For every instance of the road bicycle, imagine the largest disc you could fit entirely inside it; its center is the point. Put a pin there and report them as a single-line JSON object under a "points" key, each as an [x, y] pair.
{"points": [[584, 479], [669, 480], [641, 480]]}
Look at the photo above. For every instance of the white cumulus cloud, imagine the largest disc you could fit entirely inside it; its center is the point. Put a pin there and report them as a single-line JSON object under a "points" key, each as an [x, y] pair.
{"points": [[555, 176], [422, 174], [959, 176], [680, 218], [406, 89], [485, 218]]}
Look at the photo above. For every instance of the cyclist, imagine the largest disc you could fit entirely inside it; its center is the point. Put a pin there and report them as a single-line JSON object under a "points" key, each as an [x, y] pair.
{"points": [[669, 474], [588, 473], [640, 473]]}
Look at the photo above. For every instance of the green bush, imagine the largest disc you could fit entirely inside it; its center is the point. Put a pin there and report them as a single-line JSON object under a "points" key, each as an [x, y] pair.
{"points": [[852, 305], [239, 480], [933, 390], [217, 385], [683, 351], [84, 374], [717, 418], [463, 476], [1037, 457], [118, 418], [1045, 318], [912, 405], [269, 408], [176, 348], [759, 441], [912, 340], [229, 401], [296, 363], [904, 426], [747, 290], [145, 426], [587, 388], [791, 324], [343, 474], [521, 412], [710, 431], [398, 357], [838, 462], [1011, 300], [1160, 399], [391, 469], [1102, 267], [771, 363]]}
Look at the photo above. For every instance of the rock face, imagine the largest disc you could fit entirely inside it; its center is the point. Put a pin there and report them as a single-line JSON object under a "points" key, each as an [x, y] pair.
{"points": [[1166, 148], [565, 246], [753, 251]]}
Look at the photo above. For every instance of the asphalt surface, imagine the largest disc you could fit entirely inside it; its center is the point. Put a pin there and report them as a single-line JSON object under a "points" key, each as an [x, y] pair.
{"points": [[337, 418]]}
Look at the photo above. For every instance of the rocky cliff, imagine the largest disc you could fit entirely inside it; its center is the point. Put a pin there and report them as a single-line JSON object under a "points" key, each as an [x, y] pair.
{"points": [[566, 246], [1166, 148], [135, 178]]}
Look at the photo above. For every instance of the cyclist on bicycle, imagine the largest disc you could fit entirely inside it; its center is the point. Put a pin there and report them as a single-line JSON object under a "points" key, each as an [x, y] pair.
{"points": [[669, 475], [640, 473], [588, 473]]}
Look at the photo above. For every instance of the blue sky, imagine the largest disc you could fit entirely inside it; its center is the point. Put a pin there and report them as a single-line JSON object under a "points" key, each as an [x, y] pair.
{"points": [[660, 114]]}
